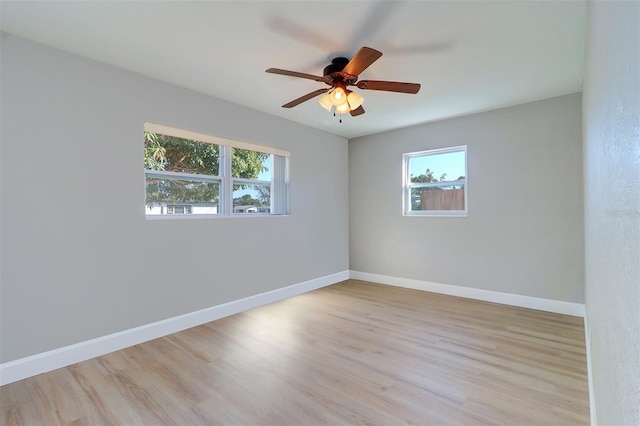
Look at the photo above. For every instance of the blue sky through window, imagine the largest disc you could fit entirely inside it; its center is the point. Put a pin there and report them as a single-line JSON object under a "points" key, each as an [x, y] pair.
{"points": [[451, 163], [266, 175]]}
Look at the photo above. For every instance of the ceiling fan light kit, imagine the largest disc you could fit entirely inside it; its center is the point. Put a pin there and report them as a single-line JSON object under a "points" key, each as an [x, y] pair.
{"points": [[338, 96], [340, 74], [342, 102], [342, 109], [354, 100], [325, 102]]}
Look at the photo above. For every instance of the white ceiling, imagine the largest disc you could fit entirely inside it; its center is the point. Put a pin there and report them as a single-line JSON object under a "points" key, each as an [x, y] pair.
{"points": [[469, 56]]}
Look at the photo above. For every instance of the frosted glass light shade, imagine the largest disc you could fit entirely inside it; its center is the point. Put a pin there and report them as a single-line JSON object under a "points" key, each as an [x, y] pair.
{"points": [[325, 102], [338, 96], [354, 100], [343, 109]]}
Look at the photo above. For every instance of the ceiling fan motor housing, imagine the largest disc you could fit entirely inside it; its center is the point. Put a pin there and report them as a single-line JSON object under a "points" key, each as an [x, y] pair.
{"points": [[333, 71]]}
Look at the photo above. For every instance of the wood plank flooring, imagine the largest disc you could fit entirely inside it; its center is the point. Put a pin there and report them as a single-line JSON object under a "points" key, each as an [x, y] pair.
{"points": [[351, 353]]}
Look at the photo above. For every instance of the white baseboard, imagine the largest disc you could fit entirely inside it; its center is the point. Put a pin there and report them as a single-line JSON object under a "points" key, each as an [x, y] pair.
{"points": [[47, 361], [557, 306]]}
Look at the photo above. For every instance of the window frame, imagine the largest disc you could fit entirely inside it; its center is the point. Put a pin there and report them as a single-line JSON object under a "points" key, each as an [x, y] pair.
{"points": [[279, 182], [407, 185]]}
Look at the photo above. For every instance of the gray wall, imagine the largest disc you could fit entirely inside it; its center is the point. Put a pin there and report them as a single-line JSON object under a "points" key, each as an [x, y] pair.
{"points": [[80, 261], [612, 207], [524, 231]]}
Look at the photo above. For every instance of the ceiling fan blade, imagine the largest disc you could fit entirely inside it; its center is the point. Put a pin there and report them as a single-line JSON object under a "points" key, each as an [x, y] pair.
{"points": [[358, 111], [389, 86], [305, 98], [294, 74], [361, 61]]}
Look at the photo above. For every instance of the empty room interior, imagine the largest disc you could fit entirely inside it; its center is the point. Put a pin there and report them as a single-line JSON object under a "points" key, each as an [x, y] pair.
{"points": [[310, 212]]}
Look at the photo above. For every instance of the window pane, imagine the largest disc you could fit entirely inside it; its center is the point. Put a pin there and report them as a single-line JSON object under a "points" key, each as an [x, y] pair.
{"points": [[173, 196], [251, 198], [437, 198], [172, 154], [443, 167], [248, 164]]}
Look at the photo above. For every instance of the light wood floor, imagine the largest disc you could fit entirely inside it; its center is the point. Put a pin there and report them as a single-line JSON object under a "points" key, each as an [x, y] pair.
{"points": [[351, 353]]}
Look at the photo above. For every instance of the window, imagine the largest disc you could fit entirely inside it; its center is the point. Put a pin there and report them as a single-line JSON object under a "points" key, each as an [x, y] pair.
{"points": [[188, 173], [435, 182]]}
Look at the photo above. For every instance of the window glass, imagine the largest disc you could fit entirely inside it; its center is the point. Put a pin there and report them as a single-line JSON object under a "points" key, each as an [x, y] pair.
{"points": [[200, 197], [173, 154], [444, 167], [252, 198], [250, 164]]}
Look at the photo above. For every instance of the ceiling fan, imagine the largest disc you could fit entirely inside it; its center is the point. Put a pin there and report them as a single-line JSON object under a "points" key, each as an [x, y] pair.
{"points": [[342, 73]]}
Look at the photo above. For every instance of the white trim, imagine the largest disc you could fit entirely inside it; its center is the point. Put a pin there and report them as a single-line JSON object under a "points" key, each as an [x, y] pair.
{"points": [[243, 181], [549, 305], [592, 396], [459, 182], [436, 151], [162, 174], [209, 216], [47, 361], [436, 213]]}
